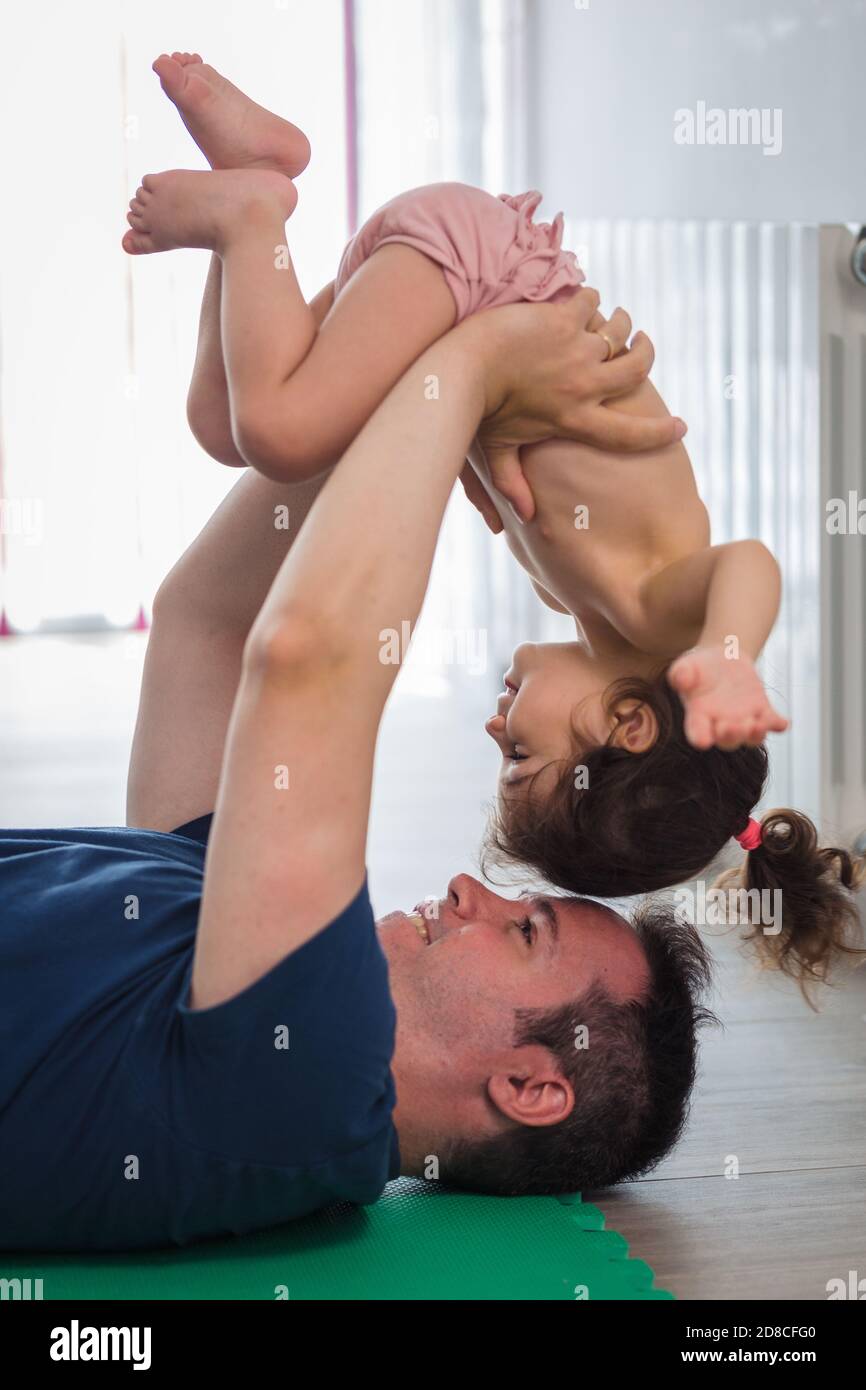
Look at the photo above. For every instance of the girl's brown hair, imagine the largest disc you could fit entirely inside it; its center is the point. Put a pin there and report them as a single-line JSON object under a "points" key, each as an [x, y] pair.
{"points": [[621, 823]]}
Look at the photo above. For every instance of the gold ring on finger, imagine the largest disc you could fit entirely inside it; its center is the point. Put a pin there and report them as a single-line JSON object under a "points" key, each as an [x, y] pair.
{"points": [[611, 350]]}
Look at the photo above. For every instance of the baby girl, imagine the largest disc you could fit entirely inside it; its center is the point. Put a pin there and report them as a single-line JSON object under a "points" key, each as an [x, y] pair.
{"points": [[631, 755]]}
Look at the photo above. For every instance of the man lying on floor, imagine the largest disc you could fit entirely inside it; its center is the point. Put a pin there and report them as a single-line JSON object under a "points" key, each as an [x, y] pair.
{"points": [[202, 1029]]}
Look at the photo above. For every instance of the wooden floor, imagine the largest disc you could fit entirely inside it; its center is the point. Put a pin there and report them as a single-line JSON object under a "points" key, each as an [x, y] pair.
{"points": [[782, 1091]]}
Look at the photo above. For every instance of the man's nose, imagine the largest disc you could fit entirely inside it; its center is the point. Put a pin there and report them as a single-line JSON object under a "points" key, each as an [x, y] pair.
{"points": [[469, 899]]}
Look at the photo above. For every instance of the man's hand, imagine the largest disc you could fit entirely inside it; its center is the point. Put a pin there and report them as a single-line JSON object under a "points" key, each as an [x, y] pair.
{"points": [[548, 373], [725, 701], [477, 494]]}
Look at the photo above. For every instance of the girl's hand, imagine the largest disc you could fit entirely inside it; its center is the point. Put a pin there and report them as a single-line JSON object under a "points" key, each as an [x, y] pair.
{"points": [[724, 698], [548, 374]]}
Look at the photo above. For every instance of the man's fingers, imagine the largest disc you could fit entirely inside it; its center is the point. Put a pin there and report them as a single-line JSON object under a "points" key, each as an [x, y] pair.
{"points": [[507, 477], [610, 429], [583, 305], [623, 373], [613, 335], [477, 494]]}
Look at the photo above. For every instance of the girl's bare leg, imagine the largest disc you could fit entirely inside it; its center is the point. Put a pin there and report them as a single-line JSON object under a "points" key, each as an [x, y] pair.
{"points": [[207, 404], [293, 424], [297, 397], [233, 132]]}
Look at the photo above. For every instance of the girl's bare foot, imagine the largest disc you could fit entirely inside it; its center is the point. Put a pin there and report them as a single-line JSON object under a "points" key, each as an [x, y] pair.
{"points": [[231, 130], [187, 207]]}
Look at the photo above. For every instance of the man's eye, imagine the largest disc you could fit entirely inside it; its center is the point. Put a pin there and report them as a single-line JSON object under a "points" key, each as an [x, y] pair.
{"points": [[528, 930]]}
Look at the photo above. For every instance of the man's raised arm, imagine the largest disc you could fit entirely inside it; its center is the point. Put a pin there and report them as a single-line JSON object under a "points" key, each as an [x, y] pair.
{"points": [[287, 849]]}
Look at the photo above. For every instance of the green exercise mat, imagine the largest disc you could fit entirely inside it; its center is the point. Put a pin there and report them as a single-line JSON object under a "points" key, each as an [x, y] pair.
{"points": [[419, 1241]]}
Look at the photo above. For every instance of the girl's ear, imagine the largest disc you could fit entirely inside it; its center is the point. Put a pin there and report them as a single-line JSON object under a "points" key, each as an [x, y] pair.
{"points": [[636, 728]]}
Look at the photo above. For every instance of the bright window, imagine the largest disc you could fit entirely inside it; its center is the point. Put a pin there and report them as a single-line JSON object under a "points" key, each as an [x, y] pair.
{"points": [[103, 484]]}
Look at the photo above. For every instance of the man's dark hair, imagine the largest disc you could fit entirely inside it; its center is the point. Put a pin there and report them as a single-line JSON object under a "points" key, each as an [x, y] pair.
{"points": [[632, 1082]]}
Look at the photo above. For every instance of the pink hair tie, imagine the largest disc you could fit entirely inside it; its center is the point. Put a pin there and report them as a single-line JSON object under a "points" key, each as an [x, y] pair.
{"points": [[750, 838]]}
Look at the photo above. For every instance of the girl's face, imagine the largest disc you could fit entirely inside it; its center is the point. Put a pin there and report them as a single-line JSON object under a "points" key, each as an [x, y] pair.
{"points": [[552, 706]]}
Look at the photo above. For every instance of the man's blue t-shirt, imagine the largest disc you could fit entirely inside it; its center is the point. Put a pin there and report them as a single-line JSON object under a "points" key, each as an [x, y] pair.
{"points": [[128, 1120]]}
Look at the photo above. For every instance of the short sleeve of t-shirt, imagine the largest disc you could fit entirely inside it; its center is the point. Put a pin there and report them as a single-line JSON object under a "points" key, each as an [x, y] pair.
{"points": [[292, 1072]]}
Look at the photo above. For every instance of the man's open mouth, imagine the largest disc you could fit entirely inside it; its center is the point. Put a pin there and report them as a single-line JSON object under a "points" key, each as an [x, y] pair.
{"points": [[420, 926]]}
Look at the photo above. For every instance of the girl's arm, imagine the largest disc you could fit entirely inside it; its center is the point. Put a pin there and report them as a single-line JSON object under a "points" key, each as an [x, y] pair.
{"points": [[733, 591]]}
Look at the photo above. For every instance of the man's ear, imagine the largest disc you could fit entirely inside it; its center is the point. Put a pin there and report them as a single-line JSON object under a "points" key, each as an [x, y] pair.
{"points": [[533, 1090], [636, 728]]}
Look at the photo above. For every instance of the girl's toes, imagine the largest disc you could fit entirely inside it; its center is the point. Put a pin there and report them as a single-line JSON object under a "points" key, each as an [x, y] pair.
{"points": [[170, 74], [136, 243]]}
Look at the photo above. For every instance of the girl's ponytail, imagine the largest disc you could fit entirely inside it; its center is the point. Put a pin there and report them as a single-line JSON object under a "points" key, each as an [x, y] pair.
{"points": [[814, 889]]}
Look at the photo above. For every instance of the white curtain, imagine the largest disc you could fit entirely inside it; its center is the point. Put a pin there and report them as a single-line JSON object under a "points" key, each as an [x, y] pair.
{"points": [[103, 484]]}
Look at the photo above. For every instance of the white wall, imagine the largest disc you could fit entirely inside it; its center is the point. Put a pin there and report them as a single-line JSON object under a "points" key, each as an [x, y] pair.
{"points": [[607, 76]]}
